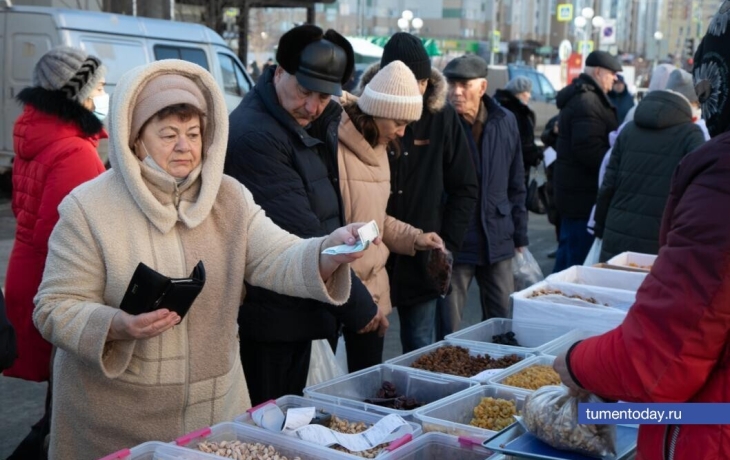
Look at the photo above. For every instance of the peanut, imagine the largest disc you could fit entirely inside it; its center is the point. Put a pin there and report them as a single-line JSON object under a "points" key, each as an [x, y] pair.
{"points": [[238, 450]]}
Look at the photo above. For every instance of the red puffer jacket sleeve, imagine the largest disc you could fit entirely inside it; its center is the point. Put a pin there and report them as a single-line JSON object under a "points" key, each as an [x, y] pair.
{"points": [[77, 163], [675, 333]]}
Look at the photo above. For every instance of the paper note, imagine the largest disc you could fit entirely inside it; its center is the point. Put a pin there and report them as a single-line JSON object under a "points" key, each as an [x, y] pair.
{"points": [[550, 156], [367, 232], [483, 376]]}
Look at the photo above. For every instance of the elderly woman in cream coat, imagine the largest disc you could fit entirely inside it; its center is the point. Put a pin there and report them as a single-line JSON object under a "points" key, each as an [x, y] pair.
{"points": [[120, 379], [389, 102]]}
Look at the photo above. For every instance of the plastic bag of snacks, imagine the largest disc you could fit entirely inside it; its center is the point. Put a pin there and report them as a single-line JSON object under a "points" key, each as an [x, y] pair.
{"points": [[551, 414], [440, 263]]}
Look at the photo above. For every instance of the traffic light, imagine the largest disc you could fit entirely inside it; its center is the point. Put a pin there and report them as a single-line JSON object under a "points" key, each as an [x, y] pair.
{"points": [[689, 47]]}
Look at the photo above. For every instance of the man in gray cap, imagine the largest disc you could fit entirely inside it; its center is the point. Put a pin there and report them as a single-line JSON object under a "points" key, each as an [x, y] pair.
{"points": [[498, 226], [282, 146], [586, 119]]}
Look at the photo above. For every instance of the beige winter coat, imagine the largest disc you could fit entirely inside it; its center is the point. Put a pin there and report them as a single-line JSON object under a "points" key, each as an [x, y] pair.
{"points": [[112, 395], [365, 186]]}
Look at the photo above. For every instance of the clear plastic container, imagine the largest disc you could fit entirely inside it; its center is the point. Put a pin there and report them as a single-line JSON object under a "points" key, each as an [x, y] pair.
{"points": [[601, 277], [287, 446], [155, 450], [532, 337], [474, 350], [541, 360], [439, 446], [351, 415], [562, 347], [351, 390], [453, 415]]}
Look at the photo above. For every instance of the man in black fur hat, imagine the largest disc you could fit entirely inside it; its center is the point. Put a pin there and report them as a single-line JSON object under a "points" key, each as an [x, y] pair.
{"points": [[283, 147]]}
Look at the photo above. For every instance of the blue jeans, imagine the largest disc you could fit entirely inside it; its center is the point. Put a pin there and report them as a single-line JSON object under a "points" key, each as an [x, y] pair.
{"points": [[575, 243], [417, 324]]}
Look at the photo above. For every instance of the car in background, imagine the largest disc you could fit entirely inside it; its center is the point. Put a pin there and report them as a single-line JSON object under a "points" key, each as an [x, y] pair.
{"points": [[121, 42], [543, 92]]}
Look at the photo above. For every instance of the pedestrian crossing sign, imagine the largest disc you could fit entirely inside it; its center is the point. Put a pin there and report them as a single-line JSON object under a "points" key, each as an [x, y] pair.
{"points": [[565, 12]]}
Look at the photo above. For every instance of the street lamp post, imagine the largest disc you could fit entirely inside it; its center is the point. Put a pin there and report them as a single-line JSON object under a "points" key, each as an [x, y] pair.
{"points": [[408, 23], [585, 23], [658, 36]]}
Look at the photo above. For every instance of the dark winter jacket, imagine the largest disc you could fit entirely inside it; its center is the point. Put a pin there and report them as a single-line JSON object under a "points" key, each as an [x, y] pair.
{"points": [[550, 139], [433, 187], [55, 141], [292, 174], [531, 153], [673, 345], [623, 103], [500, 222], [636, 185], [586, 119]]}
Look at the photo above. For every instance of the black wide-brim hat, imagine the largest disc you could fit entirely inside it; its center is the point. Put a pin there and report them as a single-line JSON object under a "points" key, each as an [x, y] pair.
{"points": [[321, 61]]}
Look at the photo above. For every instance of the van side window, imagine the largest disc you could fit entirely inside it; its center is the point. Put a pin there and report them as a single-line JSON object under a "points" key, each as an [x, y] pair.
{"points": [[547, 88], [234, 80], [194, 55]]}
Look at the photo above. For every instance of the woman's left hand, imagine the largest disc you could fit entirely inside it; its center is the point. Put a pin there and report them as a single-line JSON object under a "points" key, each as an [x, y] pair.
{"points": [[426, 241], [343, 235]]}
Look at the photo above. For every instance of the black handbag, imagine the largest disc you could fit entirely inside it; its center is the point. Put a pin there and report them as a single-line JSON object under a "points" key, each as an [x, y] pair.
{"points": [[149, 290], [534, 203]]}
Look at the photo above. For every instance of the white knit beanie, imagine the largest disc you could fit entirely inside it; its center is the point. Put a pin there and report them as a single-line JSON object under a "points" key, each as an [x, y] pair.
{"points": [[393, 94]]}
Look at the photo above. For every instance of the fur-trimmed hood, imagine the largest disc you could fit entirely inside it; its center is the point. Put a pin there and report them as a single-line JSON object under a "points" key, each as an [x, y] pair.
{"points": [[434, 99], [57, 104], [137, 176]]}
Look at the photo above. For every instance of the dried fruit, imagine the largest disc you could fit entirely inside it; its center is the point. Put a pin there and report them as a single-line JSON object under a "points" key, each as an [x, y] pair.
{"points": [[508, 338], [238, 450], [494, 414], [387, 396], [533, 377], [456, 360]]}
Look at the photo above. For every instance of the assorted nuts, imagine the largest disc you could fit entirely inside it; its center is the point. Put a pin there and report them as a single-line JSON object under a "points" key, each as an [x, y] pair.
{"points": [[543, 292], [238, 450], [456, 360], [494, 414], [533, 378], [343, 426], [551, 414]]}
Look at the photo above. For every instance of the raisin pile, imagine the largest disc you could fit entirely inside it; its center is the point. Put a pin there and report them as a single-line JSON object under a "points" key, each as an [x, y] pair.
{"points": [[440, 263], [508, 338], [456, 360], [387, 396]]}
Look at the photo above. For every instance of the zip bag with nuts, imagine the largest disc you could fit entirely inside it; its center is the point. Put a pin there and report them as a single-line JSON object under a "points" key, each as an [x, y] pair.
{"points": [[551, 415]]}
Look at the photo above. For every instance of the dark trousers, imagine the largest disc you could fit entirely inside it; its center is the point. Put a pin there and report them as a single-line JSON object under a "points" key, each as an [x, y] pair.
{"points": [[575, 243], [496, 283], [276, 369], [363, 350], [33, 447]]}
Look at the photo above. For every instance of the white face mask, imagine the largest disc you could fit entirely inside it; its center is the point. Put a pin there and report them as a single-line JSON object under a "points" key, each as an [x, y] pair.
{"points": [[101, 106]]}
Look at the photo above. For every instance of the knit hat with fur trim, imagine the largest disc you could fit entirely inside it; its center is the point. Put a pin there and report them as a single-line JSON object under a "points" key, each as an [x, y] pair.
{"points": [[393, 94], [70, 70]]}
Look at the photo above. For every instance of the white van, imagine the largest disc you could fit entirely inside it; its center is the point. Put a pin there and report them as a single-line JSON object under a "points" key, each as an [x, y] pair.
{"points": [[121, 42]]}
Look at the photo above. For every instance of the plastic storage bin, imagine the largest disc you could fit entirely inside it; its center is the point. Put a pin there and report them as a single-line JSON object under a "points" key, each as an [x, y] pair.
{"points": [[351, 390], [532, 336], [439, 446], [474, 350], [453, 415], [601, 277], [155, 450], [562, 347], [289, 447], [349, 414], [542, 360], [633, 261]]}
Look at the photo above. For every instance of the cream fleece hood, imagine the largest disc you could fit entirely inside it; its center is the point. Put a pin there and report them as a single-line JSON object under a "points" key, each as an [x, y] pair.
{"points": [[125, 162]]}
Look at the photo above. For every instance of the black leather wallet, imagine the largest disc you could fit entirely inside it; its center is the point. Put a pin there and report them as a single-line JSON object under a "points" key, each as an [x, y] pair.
{"points": [[149, 290]]}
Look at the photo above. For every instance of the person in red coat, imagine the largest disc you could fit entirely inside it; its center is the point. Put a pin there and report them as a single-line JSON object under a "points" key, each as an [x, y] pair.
{"points": [[674, 344], [55, 140]]}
